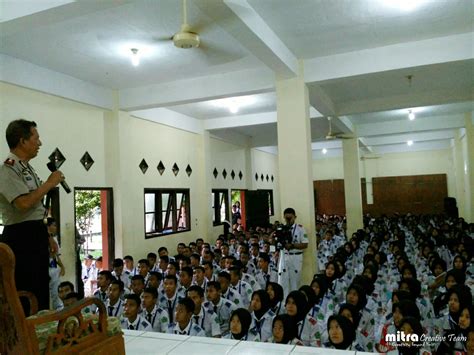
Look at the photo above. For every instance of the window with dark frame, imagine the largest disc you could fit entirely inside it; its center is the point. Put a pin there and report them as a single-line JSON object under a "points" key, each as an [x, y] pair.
{"points": [[167, 211], [271, 210], [220, 206]]}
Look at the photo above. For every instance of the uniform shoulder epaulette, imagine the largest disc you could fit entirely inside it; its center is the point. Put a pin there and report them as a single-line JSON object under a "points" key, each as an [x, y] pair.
{"points": [[209, 311], [9, 162], [197, 328]]}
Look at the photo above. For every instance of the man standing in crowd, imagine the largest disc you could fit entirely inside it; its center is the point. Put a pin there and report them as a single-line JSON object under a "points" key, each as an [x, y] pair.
{"points": [[21, 205]]}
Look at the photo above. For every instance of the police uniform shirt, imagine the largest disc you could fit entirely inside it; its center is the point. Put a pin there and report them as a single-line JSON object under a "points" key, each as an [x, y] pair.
{"points": [[16, 179], [233, 296], [139, 324], [263, 278], [191, 329], [207, 320], [223, 309], [115, 310], [158, 319], [245, 291], [298, 236], [263, 326]]}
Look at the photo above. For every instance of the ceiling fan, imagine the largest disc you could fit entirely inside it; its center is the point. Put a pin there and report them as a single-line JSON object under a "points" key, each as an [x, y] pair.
{"points": [[331, 135], [186, 38]]}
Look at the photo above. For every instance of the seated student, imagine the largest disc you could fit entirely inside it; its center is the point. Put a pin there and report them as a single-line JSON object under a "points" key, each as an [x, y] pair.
{"points": [[209, 271], [185, 278], [456, 344], [262, 315], [341, 333], [221, 306], [64, 289], [284, 331], [410, 325], [199, 277], [241, 287], [73, 297], [154, 280], [226, 291], [248, 278], [128, 261], [119, 273], [154, 314], [400, 309], [440, 303], [306, 326], [104, 278], [205, 318], [183, 324], [172, 269], [168, 300], [265, 273], [323, 304], [163, 264], [114, 304], [239, 326], [137, 285], [470, 340], [275, 292], [143, 268], [131, 315], [151, 257]]}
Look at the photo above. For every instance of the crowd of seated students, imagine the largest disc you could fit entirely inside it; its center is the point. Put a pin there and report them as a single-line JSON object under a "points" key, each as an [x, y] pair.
{"points": [[411, 274]]}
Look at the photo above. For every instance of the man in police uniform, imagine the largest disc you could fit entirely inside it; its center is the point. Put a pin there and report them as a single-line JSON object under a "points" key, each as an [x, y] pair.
{"points": [[21, 196], [291, 258]]}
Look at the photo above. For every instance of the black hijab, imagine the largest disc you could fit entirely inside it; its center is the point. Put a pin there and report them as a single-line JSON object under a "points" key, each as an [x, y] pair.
{"points": [[264, 302], [289, 327], [353, 309], [245, 320], [323, 287], [301, 305], [348, 331], [278, 290]]}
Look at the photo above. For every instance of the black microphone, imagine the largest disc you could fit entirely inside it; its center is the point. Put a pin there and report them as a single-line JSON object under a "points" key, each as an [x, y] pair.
{"points": [[52, 167]]}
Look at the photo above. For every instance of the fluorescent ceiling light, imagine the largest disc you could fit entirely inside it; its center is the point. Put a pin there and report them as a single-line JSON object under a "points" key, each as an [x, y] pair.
{"points": [[410, 143], [233, 104], [411, 115], [404, 5], [324, 150], [135, 57]]}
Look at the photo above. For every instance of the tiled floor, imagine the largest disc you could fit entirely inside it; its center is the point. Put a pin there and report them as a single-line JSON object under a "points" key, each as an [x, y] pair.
{"points": [[143, 343]]}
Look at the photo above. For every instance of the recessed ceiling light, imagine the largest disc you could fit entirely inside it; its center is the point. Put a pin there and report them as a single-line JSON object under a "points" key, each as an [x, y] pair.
{"points": [[234, 104], [411, 115], [410, 143], [404, 5], [135, 57], [324, 150]]}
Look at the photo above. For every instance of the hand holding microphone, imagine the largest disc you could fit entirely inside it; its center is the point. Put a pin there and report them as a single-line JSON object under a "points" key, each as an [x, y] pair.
{"points": [[52, 167]]}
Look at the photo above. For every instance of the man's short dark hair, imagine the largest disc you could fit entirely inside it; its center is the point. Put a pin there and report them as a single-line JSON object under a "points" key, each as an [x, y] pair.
{"points": [[152, 291], [172, 277], [224, 274], [119, 283], [138, 277], [211, 266], [264, 256], [214, 284], [188, 270], [199, 267], [72, 295], [165, 258], [188, 303], [144, 261], [289, 210], [17, 130], [157, 274], [198, 289], [66, 284], [108, 275], [117, 263], [128, 257], [160, 249], [134, 298], [151, 255]]}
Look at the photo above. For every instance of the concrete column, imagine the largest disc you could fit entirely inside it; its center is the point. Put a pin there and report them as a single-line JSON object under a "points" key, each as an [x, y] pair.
{"points": [[295, 161], [458, 162], [205, 176], [353, 194], [370, 167], [249, 168], [469, 166]]}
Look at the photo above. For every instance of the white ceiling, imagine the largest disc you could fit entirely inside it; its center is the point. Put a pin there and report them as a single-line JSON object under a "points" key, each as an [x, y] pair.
{"points": [[356, 54]]}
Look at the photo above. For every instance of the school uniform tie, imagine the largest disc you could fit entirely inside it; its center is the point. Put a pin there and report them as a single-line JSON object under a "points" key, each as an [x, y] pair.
{"points": [[103, 295], [111, 311], [196, 319], [148, 317], [267, 279], [215, 309], [131, 327], [170, 311]]}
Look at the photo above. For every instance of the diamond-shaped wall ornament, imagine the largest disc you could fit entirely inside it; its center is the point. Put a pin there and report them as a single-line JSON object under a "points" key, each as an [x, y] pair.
{"points": [[175, 169], [256, 176], [232, 174], [87, 161], [224, 173], [215, 173], [272, 178], [161, 167], [143, 166], [57, 158], [241, 175], [267, 178], [189, 171], [261, 177]]}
